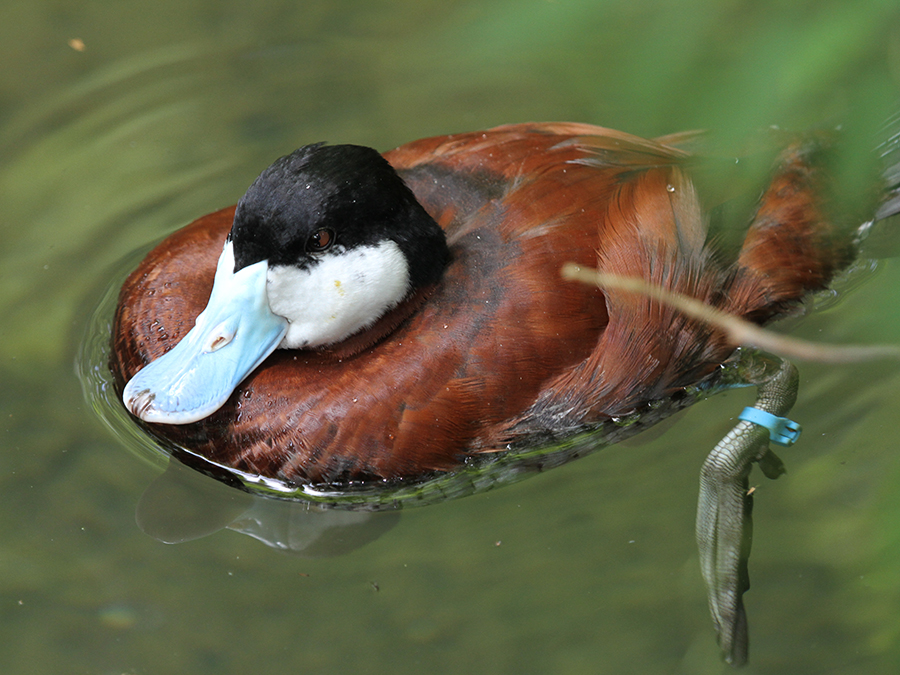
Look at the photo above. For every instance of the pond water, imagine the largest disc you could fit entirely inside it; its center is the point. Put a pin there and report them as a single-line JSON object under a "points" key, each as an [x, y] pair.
{"points": [[121, 121]]}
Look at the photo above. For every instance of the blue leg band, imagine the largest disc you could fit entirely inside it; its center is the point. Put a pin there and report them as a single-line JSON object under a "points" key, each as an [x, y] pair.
{"points": [[781, 430]]}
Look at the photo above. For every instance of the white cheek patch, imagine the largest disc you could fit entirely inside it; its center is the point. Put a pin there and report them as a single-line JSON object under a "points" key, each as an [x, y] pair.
{"points": [[348, 290]]}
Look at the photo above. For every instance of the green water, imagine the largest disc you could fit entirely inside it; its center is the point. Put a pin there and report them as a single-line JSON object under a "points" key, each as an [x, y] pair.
{"points": [[170, 111]]}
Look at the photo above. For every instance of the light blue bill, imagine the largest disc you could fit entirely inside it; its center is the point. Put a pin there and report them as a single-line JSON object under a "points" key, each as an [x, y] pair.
{"points": [[231, 337]]}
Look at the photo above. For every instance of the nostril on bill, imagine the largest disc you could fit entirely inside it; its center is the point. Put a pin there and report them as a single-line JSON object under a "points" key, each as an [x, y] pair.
{"points": [[220, 341], [224, 333]]}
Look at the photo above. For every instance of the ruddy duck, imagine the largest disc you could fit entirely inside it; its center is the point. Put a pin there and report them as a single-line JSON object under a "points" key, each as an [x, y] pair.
{"points": [[362, 323]]}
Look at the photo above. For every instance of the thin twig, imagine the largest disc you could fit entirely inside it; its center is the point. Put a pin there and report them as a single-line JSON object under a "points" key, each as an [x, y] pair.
{"points": [[739, 331]]}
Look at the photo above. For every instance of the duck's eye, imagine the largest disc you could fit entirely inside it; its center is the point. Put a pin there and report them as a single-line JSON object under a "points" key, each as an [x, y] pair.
{"points": [[320, 240]]}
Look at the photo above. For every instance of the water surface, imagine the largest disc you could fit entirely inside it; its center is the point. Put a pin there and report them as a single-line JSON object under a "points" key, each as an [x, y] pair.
{"points": [[171, 110]]}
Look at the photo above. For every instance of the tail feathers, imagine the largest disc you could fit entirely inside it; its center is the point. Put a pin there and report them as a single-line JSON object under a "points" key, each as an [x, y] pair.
{"points": [[792, 246]]}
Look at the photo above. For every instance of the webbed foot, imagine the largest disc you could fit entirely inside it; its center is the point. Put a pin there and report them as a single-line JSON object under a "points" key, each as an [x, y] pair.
{"points": [[724, 523]]}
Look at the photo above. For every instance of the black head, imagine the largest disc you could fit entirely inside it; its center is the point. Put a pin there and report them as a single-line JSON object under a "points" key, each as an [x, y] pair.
{"points": [[334, 197]]}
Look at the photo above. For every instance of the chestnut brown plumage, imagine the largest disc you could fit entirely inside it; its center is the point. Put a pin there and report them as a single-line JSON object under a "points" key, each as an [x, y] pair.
{"points": [[501, 347]]}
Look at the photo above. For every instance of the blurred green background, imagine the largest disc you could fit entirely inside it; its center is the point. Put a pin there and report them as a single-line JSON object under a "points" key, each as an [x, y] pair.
{"points": [[172, 108]]}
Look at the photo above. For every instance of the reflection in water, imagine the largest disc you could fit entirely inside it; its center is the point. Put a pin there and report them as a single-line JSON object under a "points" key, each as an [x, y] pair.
{"points": [[183, 504]]}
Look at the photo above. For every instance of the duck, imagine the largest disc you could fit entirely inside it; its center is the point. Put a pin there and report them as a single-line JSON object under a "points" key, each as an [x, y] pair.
{"points": [[368, 319]]}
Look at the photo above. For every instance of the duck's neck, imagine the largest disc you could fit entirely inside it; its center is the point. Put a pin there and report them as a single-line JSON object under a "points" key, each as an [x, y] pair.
{"points": [[382, 328]]}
